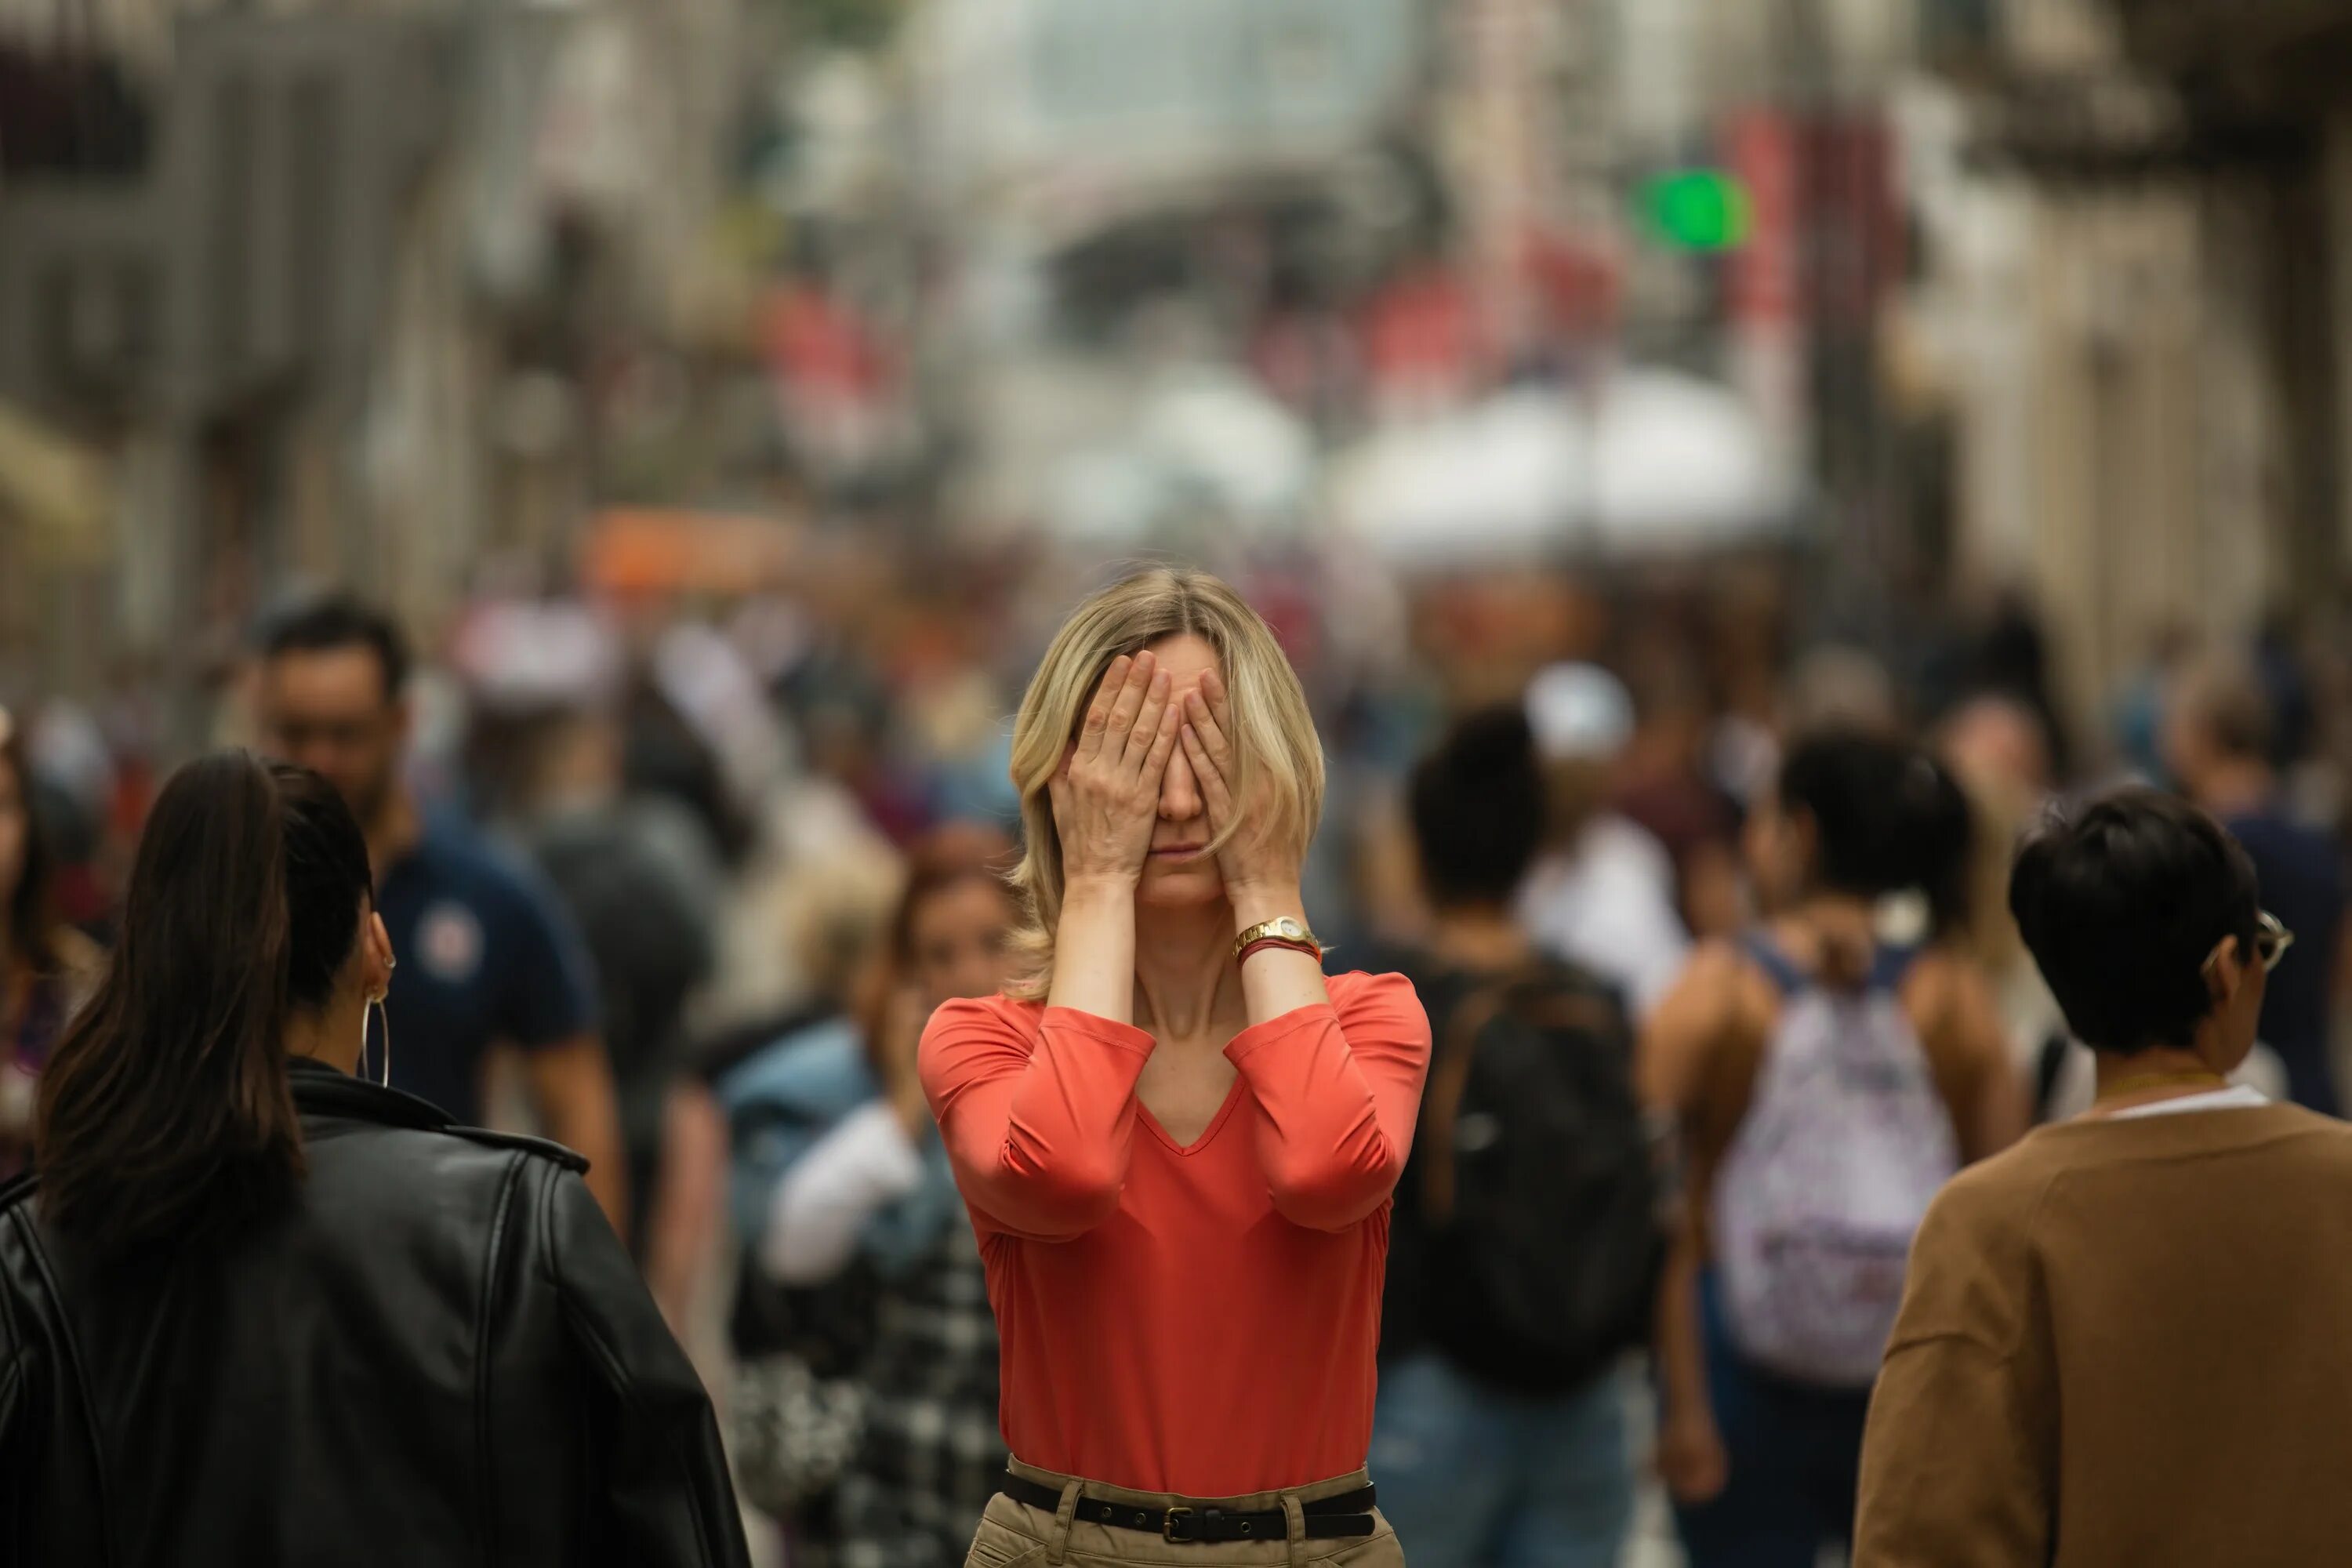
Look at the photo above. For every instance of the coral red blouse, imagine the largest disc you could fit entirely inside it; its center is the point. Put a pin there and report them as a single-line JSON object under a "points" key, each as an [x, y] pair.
{"points": [[1196, 1319]]}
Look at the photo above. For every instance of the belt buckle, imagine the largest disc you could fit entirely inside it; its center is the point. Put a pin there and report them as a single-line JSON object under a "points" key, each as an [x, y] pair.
{"points": [[1171, 1520]]}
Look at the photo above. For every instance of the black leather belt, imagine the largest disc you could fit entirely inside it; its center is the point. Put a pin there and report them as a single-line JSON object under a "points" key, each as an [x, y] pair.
{"points": [[1327, 1519]]}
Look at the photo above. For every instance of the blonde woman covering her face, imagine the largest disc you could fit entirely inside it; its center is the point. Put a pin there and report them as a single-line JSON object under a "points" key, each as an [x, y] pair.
{"points": [[1177, 1139]]}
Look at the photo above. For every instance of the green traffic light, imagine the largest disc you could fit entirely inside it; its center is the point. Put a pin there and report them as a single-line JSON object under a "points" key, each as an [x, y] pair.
{"points": [[1696, 210]]}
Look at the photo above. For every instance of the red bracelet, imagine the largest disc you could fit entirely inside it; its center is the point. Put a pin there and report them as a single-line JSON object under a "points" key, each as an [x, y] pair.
{"points": [[1308, 948]]}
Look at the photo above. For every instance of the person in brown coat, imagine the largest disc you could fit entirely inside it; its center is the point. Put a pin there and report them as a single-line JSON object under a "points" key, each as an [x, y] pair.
{"points": [[2124, 1341]]}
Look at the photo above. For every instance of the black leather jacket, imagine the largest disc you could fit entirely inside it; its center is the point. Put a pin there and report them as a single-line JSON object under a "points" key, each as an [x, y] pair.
{"points": [[442, 1355]]}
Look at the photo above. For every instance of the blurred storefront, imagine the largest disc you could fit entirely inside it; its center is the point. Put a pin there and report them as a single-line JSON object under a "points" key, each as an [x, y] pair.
{"points": [[2266, 88], [306, 312], [2133, 302]]}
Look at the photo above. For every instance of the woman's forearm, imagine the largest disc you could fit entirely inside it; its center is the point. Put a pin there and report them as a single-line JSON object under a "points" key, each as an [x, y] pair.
{"points": [[1094, 950], [1680, 1348], [1276, 980]]}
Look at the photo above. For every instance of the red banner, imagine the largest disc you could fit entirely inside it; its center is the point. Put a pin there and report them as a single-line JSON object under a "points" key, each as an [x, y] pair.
{"points": [[1760, 146]]}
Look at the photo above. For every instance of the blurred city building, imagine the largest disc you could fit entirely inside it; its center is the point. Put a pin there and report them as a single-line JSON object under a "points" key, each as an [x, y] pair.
{"points": [[1915, 311], [319, 287], [2133, 308]]}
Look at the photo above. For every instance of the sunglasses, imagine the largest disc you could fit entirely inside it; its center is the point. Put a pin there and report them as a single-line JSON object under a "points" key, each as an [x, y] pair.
{"points": [[2271, 939]]}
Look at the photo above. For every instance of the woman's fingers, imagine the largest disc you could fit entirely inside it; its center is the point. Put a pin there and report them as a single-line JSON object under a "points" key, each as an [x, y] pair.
{"points": [[1163, 744], [1220, 700], [1128, 702], [1145, 736], [1205, 773], [1114, 681], [1205, 719]]}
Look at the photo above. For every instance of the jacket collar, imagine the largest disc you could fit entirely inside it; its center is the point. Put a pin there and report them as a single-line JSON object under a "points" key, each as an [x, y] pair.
{"points": [[321, 1091]]}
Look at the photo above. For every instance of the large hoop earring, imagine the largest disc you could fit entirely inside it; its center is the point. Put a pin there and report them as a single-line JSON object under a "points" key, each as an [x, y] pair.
{"points": [[383, 1018], [383, 1024]]}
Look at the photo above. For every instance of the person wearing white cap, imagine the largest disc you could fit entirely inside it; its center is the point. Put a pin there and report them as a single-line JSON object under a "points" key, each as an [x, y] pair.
{"points": [[1602, 895]]}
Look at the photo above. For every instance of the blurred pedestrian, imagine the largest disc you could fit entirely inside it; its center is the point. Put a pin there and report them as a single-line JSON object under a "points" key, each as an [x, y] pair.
{"points": [[1663, 787], [1999, 754], [1602, 895], [1524, 1242], [88, 805], [2123, 1340], [802, 1346], [769, 978], [640, 880], [2217, 746], [47, 967], [1828, 1074], [2136, 714], [246, 1267], [877, 1188], [494, 961], [1176, 1138]]}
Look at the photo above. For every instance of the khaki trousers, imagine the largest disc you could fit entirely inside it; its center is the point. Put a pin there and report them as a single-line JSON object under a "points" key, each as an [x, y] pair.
{"points": [[1017, 1535]]}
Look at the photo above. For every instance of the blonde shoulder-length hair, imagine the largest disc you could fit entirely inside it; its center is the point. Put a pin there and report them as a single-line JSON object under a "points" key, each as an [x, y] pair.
{"points": [[1278, 757]]}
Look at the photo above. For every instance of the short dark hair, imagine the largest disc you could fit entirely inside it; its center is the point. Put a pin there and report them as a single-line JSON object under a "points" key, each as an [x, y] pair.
{"points": [[1478, 809], [340, 621], [1887, 817], [2120, 902]]}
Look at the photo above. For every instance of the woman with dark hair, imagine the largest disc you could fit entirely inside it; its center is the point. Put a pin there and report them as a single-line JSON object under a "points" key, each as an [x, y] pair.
{"points": [[256, 1310], [1827, 1075], [2170, 1271], [45, 963]]}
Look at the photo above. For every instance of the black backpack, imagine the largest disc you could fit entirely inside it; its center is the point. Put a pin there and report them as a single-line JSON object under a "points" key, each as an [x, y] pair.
{"points": [[1540, 1187]]}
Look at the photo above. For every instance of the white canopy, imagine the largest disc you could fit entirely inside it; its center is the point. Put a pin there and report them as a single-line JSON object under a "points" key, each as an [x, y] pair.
{"points": [[1649, 460], [1202, 443]]}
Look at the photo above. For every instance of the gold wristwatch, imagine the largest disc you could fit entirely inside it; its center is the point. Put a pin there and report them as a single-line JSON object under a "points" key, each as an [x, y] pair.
{"points": [[1282, 927]]}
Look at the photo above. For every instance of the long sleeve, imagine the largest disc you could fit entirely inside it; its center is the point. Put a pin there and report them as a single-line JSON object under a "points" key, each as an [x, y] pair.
{"points": [[665, 1499], [824, 1199], [1339, 1088], [1038, 1128], [1958, 1463]]}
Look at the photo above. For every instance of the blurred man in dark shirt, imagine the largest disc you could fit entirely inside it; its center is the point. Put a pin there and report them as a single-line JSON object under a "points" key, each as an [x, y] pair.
{"points": [[1493, 1452], [488, 957], [2217, 743]]}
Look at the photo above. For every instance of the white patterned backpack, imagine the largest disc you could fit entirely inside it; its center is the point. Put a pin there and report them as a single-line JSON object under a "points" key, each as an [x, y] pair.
{"points": [[1846, 1142]]}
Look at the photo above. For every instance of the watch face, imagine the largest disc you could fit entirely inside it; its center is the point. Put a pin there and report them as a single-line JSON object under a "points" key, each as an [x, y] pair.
{"points": [[1290, 928]]}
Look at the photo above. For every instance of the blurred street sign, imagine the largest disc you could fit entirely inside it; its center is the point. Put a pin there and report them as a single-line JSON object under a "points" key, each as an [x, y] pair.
{"points": [[631, 551], [1696, 210]]}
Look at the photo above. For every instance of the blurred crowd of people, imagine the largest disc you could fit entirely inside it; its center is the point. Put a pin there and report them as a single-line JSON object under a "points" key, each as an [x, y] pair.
{"points": [[678, 886]]}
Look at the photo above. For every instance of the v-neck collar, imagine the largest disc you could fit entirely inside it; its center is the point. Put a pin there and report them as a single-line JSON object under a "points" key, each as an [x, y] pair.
{"points": [[1233, 1092]]}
